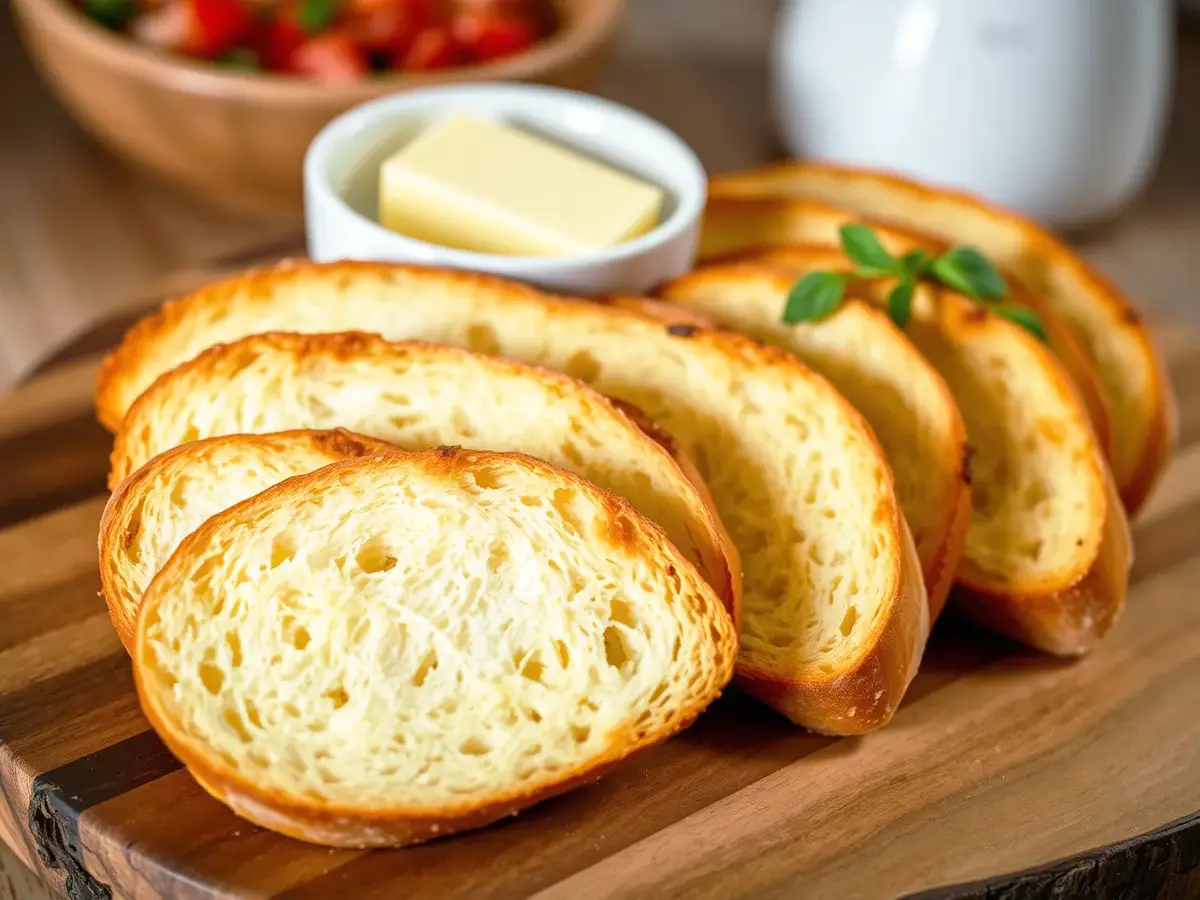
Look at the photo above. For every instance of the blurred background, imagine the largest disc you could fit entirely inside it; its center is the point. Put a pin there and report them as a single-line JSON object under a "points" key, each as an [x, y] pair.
{"points": [[1085, 113]]}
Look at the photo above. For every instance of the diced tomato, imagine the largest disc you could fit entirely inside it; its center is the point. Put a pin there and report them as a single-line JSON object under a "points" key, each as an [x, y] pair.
{"points": [[432, 48], [332, 56], [389, 26], [280, 40], [217, 26], [486, 36]]}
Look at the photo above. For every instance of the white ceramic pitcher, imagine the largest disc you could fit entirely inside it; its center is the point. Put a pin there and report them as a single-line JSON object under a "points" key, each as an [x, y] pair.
{"points": [[1053, 107]]}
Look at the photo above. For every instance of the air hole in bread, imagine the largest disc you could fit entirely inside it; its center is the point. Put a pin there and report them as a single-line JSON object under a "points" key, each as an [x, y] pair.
{"points": [[234, 642], [797, 425], [533, 715], [403, 423], [583, 365], [283, 549], [253, 714], [291, 710], [619, 612], [393, 399], [337, 696], [482, 339], [1035, 493], [848, 620], [1032, 549], [563, 500], [130, 543], [487, 479], [497, 556], [816, 553], [564, 655], [428, 664], [531, 500], [179, 493], [211, 677], [473, 746], [374, 556], [828, 513], [295, 633], [658, 691], [580, 732], [572, 454], [532, 668], [835, 478], [616, 653], [190, 434], [234, 720], [258, 760]]}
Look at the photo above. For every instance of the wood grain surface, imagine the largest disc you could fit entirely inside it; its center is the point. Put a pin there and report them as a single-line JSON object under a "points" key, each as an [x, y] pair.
{"points": [[999, 759]]}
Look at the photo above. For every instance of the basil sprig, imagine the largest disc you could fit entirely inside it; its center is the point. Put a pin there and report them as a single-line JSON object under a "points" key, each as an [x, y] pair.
{"points": [[963, 269]]}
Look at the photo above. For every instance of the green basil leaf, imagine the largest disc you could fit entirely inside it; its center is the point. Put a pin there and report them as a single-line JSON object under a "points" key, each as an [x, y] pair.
{"points": [[1025, 317], [900, 303], [969, 272], [915, 263], [862, 246], [314, 16], [111, 13], [814, 297]]}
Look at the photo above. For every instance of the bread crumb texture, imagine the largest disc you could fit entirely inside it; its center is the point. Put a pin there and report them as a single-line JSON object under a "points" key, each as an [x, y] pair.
{"points": [[423, 633]]}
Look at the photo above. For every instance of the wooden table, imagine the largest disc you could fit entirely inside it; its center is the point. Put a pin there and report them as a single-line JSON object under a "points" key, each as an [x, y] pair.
{"points": [[998, 761]]}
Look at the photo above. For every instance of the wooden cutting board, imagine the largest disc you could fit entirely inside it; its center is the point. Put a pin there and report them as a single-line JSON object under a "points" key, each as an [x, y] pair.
{"points": [[999, 760]]}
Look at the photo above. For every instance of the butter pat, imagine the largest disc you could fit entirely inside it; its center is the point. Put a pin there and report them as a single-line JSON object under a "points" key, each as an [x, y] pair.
{"points": [[492, 188]]}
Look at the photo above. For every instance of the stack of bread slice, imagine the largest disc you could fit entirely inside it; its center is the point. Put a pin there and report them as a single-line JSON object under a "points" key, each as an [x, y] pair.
{"points": [[398, 551], [1126, 385], [768, 485], [396, 647], [1048, 548]]}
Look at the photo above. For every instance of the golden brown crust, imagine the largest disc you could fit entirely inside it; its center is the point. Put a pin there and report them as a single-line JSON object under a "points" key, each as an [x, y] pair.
{"points": [[117, 525], [719, 554], [350, 826], [1155, 435]]}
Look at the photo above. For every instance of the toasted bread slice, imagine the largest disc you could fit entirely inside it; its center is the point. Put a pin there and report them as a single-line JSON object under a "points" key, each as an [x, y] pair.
{"points": [[176, 491], [399, 647], [1048, 548], [419, 396], [835, 613], [1099, 314], [738, 227], [878, 370]]}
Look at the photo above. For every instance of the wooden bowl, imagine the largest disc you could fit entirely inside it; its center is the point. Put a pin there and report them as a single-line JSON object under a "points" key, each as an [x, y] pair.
{"points": [[237, 138]]}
